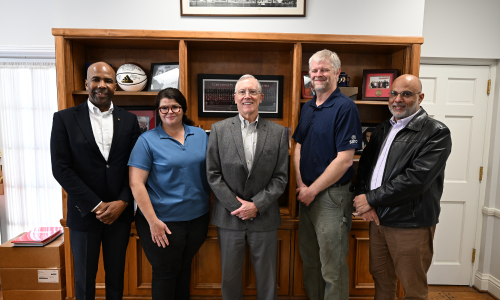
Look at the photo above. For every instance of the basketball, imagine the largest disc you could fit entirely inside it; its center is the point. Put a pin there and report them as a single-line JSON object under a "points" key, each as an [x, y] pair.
{"points": [[131, 77]]}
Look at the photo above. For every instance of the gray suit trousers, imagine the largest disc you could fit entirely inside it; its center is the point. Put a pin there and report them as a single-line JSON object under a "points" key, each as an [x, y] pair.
{"points": [[263, 253]]}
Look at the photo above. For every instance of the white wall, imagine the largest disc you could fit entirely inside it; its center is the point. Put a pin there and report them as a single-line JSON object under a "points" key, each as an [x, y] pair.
{"points": [[462, 29], [364, 17]]}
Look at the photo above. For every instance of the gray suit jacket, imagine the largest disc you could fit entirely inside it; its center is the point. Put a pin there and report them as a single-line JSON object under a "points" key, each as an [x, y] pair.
{"points": [[228, 175]]}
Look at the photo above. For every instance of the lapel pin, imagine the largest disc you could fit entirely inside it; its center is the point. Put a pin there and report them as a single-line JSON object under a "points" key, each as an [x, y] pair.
{"points": [[118, 119]]}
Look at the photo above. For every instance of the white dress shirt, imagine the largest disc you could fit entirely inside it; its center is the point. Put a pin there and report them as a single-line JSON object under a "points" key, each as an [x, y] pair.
{"points": [[102, 127], [378, 172], [249, 135]]}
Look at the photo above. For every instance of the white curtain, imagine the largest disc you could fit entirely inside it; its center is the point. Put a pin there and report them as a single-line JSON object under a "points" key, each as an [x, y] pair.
{"points": [[28, 100]]}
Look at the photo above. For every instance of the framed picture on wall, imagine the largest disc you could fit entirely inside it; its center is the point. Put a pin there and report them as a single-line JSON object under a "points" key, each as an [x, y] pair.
{"points": [[163, 75], [216, 95], [307, 88], [146, 115], [377, 84], [244, 8]]}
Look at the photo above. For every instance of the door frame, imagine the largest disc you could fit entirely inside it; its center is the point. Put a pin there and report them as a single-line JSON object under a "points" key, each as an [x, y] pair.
{"points": [[489, 174]]}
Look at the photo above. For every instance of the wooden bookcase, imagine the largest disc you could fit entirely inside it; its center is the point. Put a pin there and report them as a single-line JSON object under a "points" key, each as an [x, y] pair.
{"points": [[231, 53]]}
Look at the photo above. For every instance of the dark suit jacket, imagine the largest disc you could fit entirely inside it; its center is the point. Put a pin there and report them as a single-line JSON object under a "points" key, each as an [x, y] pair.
{"points": [[80, 168], [228, 175]]}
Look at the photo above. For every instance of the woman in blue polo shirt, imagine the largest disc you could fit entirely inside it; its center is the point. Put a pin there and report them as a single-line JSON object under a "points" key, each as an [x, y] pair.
{"points": [[168, 180]]}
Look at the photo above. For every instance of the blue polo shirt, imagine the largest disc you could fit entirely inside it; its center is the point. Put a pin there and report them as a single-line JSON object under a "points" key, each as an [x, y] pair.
{"points": [[325, 130], [177, 182]]}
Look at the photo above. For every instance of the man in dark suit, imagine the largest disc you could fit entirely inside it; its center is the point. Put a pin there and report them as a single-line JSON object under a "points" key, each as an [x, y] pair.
{"points": [[90, 146], [247, 169]]}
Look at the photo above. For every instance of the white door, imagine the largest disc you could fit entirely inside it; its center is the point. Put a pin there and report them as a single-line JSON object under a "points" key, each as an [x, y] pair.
{"points": [[456, 96]]}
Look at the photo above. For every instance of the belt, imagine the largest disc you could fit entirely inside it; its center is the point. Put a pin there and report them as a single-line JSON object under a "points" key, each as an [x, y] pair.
{"points": [[340, 184]]}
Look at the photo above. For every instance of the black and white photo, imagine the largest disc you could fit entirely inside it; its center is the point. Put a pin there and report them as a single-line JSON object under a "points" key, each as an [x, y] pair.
{"points": [[249, 8], [163, 75]]}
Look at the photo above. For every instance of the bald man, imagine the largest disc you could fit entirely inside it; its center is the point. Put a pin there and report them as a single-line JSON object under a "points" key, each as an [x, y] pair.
{"points": [[399, 186], [90, 146]]}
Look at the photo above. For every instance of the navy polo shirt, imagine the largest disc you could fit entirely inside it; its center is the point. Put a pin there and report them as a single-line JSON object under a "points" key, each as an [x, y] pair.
{"points": [[177, 182], [325, 130]]}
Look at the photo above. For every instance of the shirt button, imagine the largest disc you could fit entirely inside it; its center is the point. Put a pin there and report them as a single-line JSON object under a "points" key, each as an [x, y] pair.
{"points": [[107, 166]]}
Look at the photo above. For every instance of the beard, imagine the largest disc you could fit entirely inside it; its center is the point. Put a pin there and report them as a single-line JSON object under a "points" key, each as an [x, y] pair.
{"points": [[327, 84], [410, 110]]}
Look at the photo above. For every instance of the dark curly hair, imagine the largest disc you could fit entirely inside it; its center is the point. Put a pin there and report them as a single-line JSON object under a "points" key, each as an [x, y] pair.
{"points": [[175, 94]]}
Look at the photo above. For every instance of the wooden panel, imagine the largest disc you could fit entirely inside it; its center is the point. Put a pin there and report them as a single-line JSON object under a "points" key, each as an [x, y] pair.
{"points": [[360, 281], [415, 60], [350, 48], [205, 35], [374, 113], [206, 271], [183, 72], [298, 280], [282, 268], [294, 120], [238, 62], [400, 61], [79, 60], [240, 46], [140, 272], [69, 265]]}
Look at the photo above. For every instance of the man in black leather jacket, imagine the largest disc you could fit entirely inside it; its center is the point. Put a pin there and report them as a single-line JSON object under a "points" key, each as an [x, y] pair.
{"points": [[399, 186]]}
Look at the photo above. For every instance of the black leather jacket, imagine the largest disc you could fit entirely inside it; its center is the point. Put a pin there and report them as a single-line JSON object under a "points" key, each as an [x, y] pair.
{"points": [[413, 178]]}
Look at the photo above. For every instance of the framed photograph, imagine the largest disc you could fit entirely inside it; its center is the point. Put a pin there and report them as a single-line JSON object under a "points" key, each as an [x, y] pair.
{"points": [[216, 95], [146, 115], [163, 75], [244, 8], [366, 132], [377, 83], [307, 89]]}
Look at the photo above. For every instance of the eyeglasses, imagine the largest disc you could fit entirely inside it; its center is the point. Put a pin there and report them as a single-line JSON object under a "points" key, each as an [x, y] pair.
{"points": [[252, 93], [404, 94], [174, 109]]}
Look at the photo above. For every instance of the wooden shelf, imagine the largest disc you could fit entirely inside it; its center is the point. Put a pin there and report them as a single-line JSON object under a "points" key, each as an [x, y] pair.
{"points": [[371, 102]]}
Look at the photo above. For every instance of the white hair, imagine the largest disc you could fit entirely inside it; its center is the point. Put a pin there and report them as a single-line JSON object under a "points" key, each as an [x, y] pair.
{"points": [[244, 77], [326, 54]]}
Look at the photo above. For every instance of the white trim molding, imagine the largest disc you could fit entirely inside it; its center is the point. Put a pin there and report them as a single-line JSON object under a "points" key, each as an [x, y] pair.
{"points": [[491, 211], [487, 282], [28, 51]]}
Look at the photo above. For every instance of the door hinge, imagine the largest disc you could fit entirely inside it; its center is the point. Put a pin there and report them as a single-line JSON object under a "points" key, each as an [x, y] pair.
{"points": [[473, 255], [480, 173], [488, 89]]}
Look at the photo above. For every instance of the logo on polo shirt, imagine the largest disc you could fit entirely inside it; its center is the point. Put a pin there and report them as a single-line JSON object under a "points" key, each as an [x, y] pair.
{"points": [[353, 140]]}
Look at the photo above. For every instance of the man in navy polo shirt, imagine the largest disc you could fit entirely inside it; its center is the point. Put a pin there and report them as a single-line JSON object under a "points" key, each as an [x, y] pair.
{"points": [[327, 135]]}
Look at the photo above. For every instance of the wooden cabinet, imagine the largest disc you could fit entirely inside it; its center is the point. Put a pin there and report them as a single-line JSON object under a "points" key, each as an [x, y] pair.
{"points": [[231, 53]]}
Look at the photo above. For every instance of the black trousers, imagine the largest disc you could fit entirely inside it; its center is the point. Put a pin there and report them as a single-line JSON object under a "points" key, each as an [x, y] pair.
{"points": [[172, 264], [86, 247]]}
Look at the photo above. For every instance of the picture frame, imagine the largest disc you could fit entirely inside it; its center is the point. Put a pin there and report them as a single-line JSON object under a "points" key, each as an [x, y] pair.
{"points": [[162, 76], [307, 89], [243, 8], [377, 84], [147, 116], [216, 95], [366, 130]]}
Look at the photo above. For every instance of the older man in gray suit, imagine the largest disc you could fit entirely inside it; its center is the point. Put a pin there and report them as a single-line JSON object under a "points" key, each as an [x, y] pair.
{"points": [[247, 168]]}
